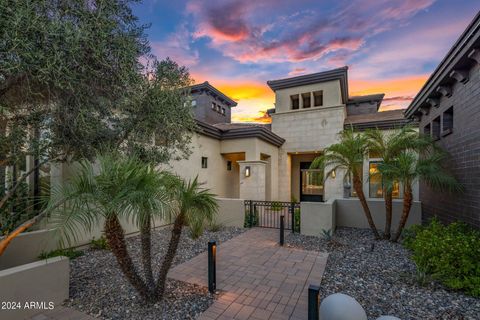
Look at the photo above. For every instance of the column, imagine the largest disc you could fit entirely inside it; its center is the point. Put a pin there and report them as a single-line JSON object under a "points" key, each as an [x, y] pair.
{"points": [[253, 179]]}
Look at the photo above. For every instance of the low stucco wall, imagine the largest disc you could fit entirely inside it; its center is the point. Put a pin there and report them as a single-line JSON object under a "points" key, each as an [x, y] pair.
{"points": [[41, 282], [350, 213], [231, 212], [317, 216], [27, 247]]}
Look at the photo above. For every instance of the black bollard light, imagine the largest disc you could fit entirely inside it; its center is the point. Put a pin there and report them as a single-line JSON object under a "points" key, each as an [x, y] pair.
{"points": [[313, 295], [282, 230], [212, 269]]}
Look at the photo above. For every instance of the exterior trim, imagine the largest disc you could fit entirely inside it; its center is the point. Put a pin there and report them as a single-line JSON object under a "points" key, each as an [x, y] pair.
{"points": [[335, 74], [240, 133], [383, 125]]}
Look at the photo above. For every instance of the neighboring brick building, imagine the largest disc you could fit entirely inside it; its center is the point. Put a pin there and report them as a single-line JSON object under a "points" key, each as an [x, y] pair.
{"points": [[448, 108]]}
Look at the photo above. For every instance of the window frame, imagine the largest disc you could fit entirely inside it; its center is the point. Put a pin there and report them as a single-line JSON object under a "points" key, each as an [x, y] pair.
{"points": [[204, 162], [306, 96], [450, 116], [436, 128], [319, 93], [292, 99]]}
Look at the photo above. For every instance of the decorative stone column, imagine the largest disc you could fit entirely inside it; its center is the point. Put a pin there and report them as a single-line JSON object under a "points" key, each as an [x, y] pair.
{"points": [[253, 187]]}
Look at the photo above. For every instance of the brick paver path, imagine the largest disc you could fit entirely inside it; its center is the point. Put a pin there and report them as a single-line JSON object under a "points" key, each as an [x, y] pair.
{"points": [[62, 313], [257, 278]]}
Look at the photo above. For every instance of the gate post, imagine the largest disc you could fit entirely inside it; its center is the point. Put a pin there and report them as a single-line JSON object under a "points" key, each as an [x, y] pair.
{"points": [[282, 230], [292, 212]]}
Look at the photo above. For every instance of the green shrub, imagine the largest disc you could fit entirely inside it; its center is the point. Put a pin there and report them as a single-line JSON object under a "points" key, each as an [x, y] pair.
{"points": [[215, 225], [251, 219], [99, 244], [196, 228], [297, 220], [450, 254], [70, 253]]}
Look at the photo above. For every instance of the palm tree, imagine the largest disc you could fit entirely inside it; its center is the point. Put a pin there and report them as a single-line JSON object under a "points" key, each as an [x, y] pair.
{"points": [[194, 206], [388, 146], [408, 167], [348, 154], [120, 188]]}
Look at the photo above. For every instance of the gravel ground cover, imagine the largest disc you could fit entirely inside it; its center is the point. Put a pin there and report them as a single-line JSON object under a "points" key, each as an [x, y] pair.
{"points": [[382, 278], [97, 286]]}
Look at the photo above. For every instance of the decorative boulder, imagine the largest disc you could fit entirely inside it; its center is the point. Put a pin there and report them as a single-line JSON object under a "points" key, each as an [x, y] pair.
{"points": [[339, 306], [388, 318]]}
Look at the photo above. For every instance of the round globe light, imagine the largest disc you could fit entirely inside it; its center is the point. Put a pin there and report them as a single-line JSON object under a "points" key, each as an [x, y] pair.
{"points": [[339, 306]]}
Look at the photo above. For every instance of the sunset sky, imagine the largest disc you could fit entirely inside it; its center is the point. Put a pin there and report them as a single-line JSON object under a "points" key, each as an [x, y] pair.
{"points": [[390, 46]]}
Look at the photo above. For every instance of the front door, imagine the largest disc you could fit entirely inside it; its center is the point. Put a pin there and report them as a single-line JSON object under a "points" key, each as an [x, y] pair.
{"points": [[311, 183]]}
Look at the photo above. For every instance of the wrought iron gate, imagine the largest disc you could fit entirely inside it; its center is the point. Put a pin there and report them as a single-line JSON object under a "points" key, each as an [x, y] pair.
{"points": [[266, 214]]}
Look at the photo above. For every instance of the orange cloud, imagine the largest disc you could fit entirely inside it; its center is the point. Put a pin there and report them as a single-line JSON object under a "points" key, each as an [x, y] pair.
{"points": [[398, 92], [253, 98]]}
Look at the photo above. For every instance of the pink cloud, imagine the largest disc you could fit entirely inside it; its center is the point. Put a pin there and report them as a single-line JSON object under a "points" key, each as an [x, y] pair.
{"points": [[258, 31]]}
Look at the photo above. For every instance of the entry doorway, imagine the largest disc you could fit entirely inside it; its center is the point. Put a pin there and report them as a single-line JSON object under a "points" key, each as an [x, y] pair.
{"points": [[311, 183]]}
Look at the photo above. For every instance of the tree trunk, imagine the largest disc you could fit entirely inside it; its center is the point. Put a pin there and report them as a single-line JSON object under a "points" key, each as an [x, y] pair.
{"points": [[116, 240], [357, 184], [169, 256], [387, 196], [407, 204], [146, 241]]}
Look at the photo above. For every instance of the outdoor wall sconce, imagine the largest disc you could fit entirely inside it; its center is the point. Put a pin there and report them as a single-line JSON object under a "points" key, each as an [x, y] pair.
{"points": [[247, 171], [313, 302], [333, 174], [212, 269]]}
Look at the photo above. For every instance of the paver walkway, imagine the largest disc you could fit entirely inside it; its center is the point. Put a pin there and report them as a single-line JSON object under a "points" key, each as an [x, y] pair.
{"points": [[62, 313], [257, 278]]}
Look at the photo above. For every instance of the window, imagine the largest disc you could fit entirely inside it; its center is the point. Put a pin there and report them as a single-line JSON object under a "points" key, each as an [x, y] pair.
{"points": [[219, 109], [312, 182], [229, 165], [427, 130], [436, 128], [223, 111], [374, 181], [360, 172], [306, 100], [214, 106], [318, 98], [194, 103], [204, 162], [295, 101], [447, 123]]}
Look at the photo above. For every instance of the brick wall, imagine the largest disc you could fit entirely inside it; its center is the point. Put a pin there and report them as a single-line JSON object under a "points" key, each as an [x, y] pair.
{"points": [[463, 144]]}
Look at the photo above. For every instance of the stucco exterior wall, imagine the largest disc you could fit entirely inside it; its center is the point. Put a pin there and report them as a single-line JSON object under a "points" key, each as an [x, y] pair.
{"points": [[215, 175], [349, 213], [231, 212], [317, 216], [307, 130], [331, 95]]}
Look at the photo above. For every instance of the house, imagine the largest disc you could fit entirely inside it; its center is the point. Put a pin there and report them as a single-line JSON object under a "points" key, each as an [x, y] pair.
{"points": [[272, 162], [448, 108]]}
